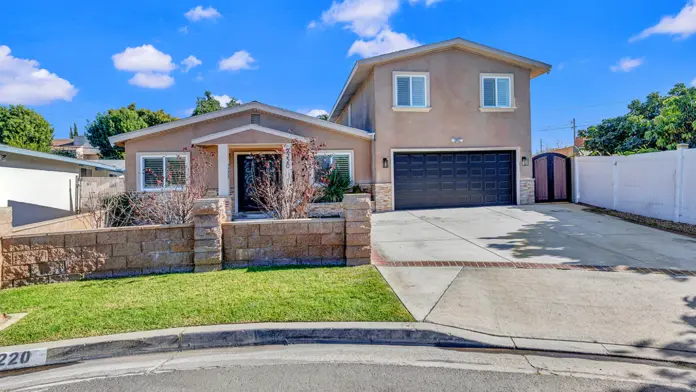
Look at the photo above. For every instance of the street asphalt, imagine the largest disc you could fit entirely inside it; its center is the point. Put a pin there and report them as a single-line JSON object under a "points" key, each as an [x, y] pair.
{"points": [[354, 368]]}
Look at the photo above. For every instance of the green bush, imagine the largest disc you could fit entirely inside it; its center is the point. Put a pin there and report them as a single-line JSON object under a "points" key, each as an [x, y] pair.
{"points": [[336, 185]]}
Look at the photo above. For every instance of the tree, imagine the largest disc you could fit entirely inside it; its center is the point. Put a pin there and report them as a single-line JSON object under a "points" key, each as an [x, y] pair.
{"points": [[658, 123], [324, 117], [76, 133], [24, 128], [208, 103], [117, 121], [676, 122]]}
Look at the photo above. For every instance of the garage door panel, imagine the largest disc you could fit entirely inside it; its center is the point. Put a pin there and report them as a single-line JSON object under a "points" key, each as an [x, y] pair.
{"points": [[432, 180]]}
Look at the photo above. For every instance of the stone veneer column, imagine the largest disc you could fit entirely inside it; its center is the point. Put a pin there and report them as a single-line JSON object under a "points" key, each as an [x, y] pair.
{"points": [[383, 197], [208, 215], [358, 213], [527, 195]]}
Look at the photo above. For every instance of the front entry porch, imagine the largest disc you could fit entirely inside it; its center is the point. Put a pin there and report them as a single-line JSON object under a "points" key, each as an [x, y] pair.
{"points": [[238, 153]]}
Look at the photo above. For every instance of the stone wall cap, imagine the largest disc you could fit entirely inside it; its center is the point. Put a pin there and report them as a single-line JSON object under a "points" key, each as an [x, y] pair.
{"points": [[282, 221], [103, 230]]}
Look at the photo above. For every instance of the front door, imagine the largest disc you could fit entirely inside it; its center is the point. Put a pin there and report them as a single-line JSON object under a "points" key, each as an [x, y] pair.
{"points": [[248, 168]]}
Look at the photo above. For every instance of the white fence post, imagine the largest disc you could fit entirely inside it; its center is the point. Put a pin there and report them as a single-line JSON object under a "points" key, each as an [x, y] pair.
{"points": [[679, 183], [615, 183], [576, 175]]}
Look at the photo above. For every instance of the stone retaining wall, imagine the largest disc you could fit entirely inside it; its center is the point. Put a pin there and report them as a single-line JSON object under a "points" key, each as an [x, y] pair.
{"points": [[283, 242], [101, 253], [210, 243]]}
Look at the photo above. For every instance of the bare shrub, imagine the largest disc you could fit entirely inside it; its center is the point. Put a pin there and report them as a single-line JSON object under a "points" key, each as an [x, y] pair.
{"points": [[168, 202], [285, 191]]}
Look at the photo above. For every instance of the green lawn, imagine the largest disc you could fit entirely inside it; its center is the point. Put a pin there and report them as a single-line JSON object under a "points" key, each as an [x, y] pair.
{"points": [[100, 307]]}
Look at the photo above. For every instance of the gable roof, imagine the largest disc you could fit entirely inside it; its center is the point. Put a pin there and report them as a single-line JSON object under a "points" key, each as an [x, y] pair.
{"points": [[362, 68], [254, 105], [245, 128], [55, 157]]}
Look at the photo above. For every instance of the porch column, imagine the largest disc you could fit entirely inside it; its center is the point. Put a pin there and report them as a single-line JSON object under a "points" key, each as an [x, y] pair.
{"points": [[287, 164], [223, 165]]}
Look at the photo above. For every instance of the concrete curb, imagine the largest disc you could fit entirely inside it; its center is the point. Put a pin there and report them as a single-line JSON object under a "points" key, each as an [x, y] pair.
{"points": [[243, 335]]}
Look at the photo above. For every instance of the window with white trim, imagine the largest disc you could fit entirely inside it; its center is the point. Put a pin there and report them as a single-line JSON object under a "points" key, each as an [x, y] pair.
{"points": [[496, 91], [163, 172], [342, 161], [411, 90]]}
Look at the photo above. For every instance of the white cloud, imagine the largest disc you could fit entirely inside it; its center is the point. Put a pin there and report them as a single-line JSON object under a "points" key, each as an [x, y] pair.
{"points": [[225, 99], [183, 29], [560, 66], [627, 64], [364, 17], [386, 41], [682, 25], [428, 3], [198, 77], [143, 59], [23, 82], [316, 112], [190, 62], [200, 13], [152, 80], [239, 60], [188, 112], [312, 24], [693, 82]]}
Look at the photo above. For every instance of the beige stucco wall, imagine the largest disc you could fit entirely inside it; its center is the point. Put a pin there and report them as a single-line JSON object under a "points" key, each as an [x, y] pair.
{"points": [[362, 107], [177, 139], [455, 102]]}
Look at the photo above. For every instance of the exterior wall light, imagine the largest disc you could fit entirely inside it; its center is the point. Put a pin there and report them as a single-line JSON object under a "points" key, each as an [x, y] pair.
{"points": [[385, 163], [525, 161], [457, 140]]}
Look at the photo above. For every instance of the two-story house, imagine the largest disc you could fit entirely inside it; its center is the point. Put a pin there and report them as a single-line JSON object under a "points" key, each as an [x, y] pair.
{"points": [[440, 125]]}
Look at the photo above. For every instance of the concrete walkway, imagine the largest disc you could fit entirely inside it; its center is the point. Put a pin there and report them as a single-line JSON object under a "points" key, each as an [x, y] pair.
{"points": [[612, 308], [544, 233]]}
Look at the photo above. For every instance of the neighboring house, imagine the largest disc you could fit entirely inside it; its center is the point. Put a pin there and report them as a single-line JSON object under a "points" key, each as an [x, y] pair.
{"points": [[79, 147], [440, 125], [41, 186], [571, 151]]}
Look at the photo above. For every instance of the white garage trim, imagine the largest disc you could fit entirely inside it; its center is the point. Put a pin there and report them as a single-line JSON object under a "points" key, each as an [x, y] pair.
{"points": [[517, 151]]}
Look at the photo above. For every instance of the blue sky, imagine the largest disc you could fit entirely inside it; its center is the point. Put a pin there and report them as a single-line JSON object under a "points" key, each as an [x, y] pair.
{"points": [[97, 55]]}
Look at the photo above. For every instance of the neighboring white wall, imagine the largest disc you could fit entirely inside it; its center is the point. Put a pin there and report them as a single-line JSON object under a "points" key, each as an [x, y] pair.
{"points": [[37, 195], [97, 187], [659, 185]]}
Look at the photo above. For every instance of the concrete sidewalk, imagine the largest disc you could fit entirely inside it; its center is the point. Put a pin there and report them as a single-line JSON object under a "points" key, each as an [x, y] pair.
{"points": [[612, 308]]}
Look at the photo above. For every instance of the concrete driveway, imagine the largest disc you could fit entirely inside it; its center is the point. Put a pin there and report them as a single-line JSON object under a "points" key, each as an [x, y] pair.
{"points": [[613, 308], [543, 233]]}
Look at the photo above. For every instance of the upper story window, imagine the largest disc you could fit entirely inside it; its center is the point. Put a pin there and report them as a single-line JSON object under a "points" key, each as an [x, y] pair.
{"points": [[497, 92], [162, 171], [411, 91]]}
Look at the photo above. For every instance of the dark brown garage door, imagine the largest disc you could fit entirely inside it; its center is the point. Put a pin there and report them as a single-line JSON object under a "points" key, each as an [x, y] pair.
{"points": [[454, 179]]}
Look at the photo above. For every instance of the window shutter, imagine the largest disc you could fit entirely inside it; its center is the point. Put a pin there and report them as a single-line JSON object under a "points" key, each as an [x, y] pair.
{"points": [[176, 171], [403, 91], [489, 92], [342, 164], [503, 92], [153, 170], [418, 94]]}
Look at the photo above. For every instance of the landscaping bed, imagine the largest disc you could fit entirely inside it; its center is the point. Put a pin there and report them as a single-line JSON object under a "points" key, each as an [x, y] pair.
{"points": [[287, 294], [674, 227]]}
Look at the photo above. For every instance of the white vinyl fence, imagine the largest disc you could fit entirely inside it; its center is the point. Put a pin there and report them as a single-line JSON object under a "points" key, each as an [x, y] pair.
{"points": [[658, 185]]}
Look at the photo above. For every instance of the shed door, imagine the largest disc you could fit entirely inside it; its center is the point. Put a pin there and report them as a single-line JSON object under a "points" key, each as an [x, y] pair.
{"points": [[454, 179]]}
